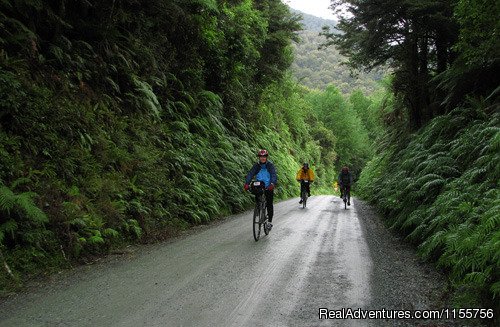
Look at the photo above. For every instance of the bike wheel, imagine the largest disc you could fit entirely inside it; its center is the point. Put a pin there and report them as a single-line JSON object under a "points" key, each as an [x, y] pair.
{"points": [[264, 218], [345, 203], [256, 223], [304, 200]]}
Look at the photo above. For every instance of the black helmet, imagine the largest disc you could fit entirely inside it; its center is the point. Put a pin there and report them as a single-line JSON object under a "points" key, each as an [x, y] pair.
{"points": [[306, 165]]}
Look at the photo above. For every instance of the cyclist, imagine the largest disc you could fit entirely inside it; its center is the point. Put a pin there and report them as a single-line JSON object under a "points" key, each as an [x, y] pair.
{"points": [[345, 179], [305, 174], [264, 171]]}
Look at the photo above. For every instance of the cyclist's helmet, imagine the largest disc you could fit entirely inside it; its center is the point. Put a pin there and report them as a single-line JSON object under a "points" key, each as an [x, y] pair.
{"points": [[262, 153], [345, 169], [306, 165]]}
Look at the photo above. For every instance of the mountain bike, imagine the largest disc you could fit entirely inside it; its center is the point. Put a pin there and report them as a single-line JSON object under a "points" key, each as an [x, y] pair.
{"points": [[303, 193], [260, 220]]}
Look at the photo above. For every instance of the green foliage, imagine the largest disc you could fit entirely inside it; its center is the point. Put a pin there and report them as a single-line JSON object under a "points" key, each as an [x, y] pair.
{"points": [[351, 138], [479, 28], [20, 207], [441, 190], [413, 37], [435, 177], [22, 222]]}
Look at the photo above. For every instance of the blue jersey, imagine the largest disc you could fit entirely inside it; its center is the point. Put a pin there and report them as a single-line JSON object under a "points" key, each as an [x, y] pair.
{"points": [[263, 172], [264, 175]]}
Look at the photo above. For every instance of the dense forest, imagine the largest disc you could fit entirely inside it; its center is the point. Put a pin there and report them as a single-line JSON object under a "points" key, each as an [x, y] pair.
{"points": [[128, 121]]}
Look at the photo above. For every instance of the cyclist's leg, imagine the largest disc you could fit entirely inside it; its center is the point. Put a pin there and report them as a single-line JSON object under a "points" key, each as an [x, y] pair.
{"points": [[341, 190], [308, 189], [270, 207]]}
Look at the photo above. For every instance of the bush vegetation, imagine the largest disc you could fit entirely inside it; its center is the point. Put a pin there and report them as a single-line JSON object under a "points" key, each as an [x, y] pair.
{"points": [[435, 174]]}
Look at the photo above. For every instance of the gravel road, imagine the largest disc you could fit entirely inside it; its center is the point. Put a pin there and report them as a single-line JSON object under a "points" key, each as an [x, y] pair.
{"points": [[319, 257]]}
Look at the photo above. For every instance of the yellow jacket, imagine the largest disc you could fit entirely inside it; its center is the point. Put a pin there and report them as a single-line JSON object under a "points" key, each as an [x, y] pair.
{"points": [[307, 175]]}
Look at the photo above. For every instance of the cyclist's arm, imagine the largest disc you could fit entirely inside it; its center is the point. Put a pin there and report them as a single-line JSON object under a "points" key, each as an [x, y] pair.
{"points": [[272, 172], [251, 174], [298, 176], [311, 175]]}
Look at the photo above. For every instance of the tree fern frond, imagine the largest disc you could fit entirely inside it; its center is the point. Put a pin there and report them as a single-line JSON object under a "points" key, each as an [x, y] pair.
{"points": [[435, 184], [491, 220], [435, 242], [7, 199], [25, 203], [9, 227], [427, 178], [476, 277], [495, 289]]}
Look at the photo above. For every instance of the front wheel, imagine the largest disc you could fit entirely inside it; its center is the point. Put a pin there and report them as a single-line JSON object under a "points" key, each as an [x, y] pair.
{"points": [[264, 218], [256, 223], [304, 199]]}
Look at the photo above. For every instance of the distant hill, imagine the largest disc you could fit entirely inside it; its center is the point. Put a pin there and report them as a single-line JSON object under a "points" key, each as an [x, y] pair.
{"points": [[313, 23], [318, 68]]}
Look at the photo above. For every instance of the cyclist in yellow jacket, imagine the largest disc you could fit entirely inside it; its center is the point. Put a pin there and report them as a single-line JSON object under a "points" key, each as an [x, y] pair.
{"points": [[305, 174]]}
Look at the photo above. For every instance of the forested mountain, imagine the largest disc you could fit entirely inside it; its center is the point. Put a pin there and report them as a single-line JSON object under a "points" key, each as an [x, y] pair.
{"points": [[317, 67]]}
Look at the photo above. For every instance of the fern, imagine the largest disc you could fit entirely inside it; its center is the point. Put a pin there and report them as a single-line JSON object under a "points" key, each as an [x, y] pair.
{"points": [[433, 185], [21, 204], [495, 289], [7, 199], [148, 97]]}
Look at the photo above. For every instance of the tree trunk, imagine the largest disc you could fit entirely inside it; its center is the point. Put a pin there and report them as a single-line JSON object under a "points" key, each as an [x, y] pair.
{"points": [[413, 83], [423, 80]]}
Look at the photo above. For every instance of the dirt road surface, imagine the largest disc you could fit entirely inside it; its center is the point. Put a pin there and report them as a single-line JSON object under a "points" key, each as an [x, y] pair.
{"points": [[319, 257]]}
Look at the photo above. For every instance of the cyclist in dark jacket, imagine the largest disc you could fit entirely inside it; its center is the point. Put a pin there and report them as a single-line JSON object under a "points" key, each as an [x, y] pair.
{"points": [[345, 179], [264, 171]]}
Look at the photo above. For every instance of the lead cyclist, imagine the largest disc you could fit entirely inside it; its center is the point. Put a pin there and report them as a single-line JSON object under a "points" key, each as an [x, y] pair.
{"points": [[264, 171]]}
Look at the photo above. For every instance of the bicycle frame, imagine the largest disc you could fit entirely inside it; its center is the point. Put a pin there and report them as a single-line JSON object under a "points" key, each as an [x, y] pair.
{"points": [[260, 211], [344, 196], [303, 192]]}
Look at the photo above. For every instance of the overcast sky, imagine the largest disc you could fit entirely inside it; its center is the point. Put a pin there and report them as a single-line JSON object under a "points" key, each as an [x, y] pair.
{"points": [[313, 7]]}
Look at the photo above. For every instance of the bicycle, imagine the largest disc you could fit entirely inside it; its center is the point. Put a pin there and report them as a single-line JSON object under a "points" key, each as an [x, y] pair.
{"points": [[344, 196], [260, 219], [303, 192]]}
